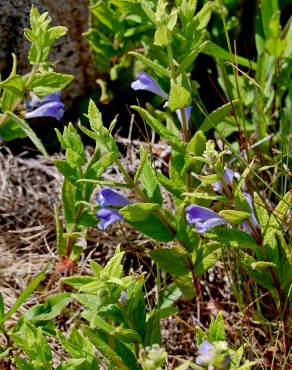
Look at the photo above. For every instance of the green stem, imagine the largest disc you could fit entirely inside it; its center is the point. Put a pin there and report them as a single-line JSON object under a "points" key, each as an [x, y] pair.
{"points": [[170, 62], [76, 219], [185, 129]]}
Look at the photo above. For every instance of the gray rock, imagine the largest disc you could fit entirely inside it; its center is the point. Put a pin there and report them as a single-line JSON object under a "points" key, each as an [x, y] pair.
{"points": [[71, 53]]}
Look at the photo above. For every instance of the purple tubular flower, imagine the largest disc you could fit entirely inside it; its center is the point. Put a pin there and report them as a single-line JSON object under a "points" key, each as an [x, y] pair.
{"points": [[146, 82], [187, 113], [228, 178], [203, 218], [205, 354], [252, 215], [106, 199], [107, 217], [123, 297], [49, 106]]}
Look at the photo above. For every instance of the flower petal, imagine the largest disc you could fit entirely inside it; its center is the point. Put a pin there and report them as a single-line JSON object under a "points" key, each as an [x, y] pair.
{"points": [[205, 354], [52, 97], [202, 227], [187, 113], [107, 217], [252, 214], [203, 218], [50, 109], [110, 197], [146, 82], [218, 186], [228, 176], [33, 103], [197, 213]]}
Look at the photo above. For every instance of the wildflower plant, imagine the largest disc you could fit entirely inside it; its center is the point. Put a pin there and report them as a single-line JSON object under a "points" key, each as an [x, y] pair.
{"points": [[216, 206], [211, 208], [35, 94]]}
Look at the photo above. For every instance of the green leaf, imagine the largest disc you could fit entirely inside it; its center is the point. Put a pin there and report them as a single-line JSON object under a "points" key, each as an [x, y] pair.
{"points": [[139, 211], [154, 227], [196, 147], [209, 179], [66, 170], [172, 260], [188, 61], [77, 345], [29, 132], [127, 335], [24, 295], [202, 18], [217, 116], [61, 241], [75, 364], [68, 200], [50, 82], [148, 179], [119, 355], [155, 66], [179, 98], [78, 281], [262, 264], [114, 267], [206, 256], [32, 341], [153, 330], [175, 189], [2, 307], [143, 159], [7, 101], [232, 237], [277, 217], [137, 310], [54, 33], [203, 195], [75, 148], [13, 84], [185, 284], [95, 267], [234, 216], [216, 331], [160, 129], [162, 36], [22, 364], [53, 306], [216, 51], [94, 116]]}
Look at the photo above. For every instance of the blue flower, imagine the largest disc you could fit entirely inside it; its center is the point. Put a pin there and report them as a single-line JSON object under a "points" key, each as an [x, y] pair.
{"points": [[252, 215], [123, 297], [146, 82], [109, 201], [228, 178], [187, 113], [49, 106], [205, 354], [203, 218]]}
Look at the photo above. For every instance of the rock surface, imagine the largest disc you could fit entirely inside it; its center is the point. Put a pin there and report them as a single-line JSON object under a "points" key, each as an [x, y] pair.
{"points": [[71, 52]]}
